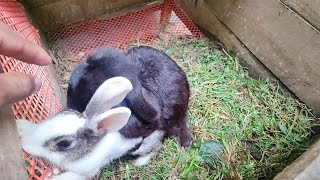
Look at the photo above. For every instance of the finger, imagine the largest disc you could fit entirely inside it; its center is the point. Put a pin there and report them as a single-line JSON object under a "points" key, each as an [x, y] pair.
{"points": [[16, 86], [15, 45]]}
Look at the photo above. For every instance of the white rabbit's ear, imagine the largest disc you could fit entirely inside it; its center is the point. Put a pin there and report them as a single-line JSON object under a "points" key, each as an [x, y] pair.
{"points": [[112, 120], [109, 94]]}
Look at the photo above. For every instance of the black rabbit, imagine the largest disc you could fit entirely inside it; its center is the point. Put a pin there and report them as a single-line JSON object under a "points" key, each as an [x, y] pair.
{"points": [[158, 101]]}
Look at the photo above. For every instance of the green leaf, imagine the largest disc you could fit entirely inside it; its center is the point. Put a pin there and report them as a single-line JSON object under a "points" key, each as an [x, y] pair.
{"points": [[283, 128], [210, 151]]}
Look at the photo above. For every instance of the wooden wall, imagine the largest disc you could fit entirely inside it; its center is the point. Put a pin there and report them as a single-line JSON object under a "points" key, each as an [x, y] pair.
{"points": [[52, 14], [276, 38], [306, 167], [12, 165]]}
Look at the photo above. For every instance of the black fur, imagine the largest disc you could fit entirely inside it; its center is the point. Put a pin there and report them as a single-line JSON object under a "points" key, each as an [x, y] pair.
{"points": [[160, 95]]}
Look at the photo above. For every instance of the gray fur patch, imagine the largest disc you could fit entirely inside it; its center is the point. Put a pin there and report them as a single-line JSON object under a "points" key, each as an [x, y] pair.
{"points": [[80, 144]]}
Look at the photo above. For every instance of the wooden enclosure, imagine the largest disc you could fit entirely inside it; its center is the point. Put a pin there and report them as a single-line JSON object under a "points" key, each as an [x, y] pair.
{"points": [[277, 39]]}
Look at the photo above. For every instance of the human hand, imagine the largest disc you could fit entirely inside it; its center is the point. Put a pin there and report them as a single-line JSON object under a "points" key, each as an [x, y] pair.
{"points": [[16, 86]]}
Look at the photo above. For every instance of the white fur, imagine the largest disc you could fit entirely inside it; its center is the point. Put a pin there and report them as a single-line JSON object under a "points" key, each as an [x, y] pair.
{"points": [[148, 148], [112, 146], [143, 160], [55, 171], [24, 125], [150, 143], [34, 137], [68, 176]]}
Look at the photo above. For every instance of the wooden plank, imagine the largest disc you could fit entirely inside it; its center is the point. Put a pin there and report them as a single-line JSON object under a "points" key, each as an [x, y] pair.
{"points": [[37, 3], [131, 9], [306, 167], [12, 166], [64, 12], [204, 17], [308, 9], [280, 39]]}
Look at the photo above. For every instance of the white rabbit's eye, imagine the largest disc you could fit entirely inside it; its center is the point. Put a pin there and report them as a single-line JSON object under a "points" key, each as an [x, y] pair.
{"points": [[61, 143], [64, 144]]}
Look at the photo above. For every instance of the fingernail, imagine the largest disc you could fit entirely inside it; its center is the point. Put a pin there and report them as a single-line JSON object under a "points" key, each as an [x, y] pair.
{"points": [[38, 84]]}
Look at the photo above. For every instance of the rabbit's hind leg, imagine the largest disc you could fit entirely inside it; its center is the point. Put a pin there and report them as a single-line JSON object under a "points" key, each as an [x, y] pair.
{"points": [[181, 132], [184, 137]]}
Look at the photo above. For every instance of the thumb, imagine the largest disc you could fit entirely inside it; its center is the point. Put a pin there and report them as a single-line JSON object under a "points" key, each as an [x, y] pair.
{"points": [[17, 86]]}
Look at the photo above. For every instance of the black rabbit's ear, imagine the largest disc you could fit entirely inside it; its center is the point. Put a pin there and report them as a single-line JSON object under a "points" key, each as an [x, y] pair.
{"points": [[108, 95]]}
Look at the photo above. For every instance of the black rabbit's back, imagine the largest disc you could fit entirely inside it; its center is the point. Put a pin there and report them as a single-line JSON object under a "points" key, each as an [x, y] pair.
{"points": [[159, 74], [90, 74]]}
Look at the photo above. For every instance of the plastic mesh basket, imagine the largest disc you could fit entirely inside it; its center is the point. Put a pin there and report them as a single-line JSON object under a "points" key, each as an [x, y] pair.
{"points": [[80, 39]]}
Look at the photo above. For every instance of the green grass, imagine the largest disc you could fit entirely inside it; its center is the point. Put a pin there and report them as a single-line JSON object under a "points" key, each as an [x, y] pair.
{"points": [[243, 128]]}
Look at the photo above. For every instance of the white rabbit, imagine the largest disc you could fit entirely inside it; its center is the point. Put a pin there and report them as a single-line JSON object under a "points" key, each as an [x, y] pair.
{"points": [[83, 143]]}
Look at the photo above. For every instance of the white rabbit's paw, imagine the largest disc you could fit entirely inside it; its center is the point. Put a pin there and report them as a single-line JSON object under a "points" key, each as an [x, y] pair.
{"points": [[68, 176], [143, 160]]}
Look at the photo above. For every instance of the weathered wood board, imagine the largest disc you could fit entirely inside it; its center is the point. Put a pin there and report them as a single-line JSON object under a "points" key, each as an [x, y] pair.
{"points": [[306, 167], [37, 3], [203, 16], [307, 9], [12, 166], [286, 44], [58, 13]]}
